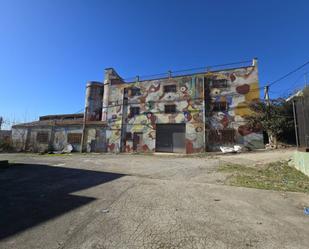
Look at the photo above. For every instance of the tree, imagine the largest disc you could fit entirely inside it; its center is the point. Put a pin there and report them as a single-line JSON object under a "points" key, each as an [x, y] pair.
{"points": [[1, 122], [276, 118]]}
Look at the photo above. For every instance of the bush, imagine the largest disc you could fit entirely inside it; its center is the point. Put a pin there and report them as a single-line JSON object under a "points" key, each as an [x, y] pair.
{"points": [[6, 146]]}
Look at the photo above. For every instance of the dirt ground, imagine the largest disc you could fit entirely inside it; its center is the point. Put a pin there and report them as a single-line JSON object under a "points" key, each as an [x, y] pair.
{"points": [[101, 201]]}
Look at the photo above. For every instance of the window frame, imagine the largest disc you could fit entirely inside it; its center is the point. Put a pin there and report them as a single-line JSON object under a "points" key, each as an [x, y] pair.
{"points": [[134, 113], [221, 83], [167, 109], [222, 136], [129, 136], [170, 88], [76, 140], [42, 137], [219, 106], [135, 91]]}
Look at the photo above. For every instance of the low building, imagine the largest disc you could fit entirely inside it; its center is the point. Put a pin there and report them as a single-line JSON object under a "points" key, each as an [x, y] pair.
{"points": [[54, 132], [187, 113]]}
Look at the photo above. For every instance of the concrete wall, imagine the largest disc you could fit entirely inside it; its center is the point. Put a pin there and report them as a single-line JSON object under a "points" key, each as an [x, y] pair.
{"points": [[25, 138], [19, 136], [300, 161], [242, 89], [194, 99], [188, 99]]}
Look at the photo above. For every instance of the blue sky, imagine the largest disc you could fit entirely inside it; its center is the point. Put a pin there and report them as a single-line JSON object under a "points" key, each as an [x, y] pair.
{"points": [[49, 49]]}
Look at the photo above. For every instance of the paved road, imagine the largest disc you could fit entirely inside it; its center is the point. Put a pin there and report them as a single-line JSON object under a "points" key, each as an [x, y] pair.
{"points": [[125, 201]]}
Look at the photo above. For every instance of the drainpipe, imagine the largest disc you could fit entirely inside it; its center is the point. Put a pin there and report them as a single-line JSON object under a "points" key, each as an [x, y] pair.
{"points": [[83, 131]]}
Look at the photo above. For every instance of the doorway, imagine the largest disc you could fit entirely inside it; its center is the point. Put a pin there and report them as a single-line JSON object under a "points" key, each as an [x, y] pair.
{"points": [[170, 138], [137, 141]]}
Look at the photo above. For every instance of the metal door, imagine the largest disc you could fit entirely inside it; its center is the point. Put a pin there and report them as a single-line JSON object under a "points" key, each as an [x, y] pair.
{"points": [[170, 138]]}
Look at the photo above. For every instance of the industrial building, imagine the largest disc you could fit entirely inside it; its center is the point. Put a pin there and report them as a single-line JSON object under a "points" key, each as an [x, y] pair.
{"points": [[176, 112]]}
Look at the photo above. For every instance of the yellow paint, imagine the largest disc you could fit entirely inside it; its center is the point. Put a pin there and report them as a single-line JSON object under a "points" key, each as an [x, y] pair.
{"points": [[242, 109], [254, 92]]}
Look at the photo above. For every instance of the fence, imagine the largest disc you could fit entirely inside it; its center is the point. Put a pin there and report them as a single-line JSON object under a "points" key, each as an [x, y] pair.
{"points": [[301, 107], [190, 71]]}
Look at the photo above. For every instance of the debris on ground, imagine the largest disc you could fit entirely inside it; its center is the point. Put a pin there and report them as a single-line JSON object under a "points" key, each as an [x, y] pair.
{"points": [[234, 149], [68, 148], [104, 211], [306, 210]]}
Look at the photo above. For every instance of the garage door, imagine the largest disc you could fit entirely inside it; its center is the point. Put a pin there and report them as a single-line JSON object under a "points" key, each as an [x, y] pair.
{"points": [[170, 138]]}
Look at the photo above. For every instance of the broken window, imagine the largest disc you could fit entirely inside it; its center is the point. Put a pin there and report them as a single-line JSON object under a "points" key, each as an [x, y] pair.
{"points": [[170, 108], [219, 106], [219, 83], [170, 89], [135, 91], [74, 138], [224, 136], [42, 137], [134, 111]]}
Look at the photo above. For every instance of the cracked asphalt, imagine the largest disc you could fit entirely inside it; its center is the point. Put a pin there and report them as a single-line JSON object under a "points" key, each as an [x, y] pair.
{"points": [[137, 201]]}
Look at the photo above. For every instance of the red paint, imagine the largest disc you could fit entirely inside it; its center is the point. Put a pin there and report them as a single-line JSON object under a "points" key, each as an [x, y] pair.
{"points": [[145, 148], [128, 148], [233, 77], [225, 121], [243, 89], [111, 147], [244, 130], [189, 146]]}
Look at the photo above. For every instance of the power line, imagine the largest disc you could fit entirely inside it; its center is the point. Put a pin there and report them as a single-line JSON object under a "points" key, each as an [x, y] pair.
{"points": [[288, 74]]}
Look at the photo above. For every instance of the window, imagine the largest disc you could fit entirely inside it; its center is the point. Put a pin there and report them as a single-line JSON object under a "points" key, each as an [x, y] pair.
{"points": [[219, 106], [42, 137], [170, 89], [128, 136], [74, 138], [135, 91], [222, 83], [170, 108], [134, 111], [225, 136]]}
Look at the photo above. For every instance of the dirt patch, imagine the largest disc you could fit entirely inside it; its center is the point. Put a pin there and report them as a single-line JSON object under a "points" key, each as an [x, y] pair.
{"points": [[274, 176]]}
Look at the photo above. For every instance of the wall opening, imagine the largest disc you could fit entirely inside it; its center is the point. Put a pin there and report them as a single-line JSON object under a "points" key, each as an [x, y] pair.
{"points": [[170, 138]]}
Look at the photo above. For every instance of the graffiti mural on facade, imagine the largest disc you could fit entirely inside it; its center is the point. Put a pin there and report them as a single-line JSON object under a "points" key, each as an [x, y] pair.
{"points": [[210, 108]]}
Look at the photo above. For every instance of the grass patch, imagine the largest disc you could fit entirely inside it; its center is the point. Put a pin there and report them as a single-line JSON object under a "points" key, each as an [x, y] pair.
{"points": [[274, 176]]}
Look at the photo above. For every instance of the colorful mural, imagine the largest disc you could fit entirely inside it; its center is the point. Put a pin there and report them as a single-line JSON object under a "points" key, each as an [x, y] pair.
{"points": [[241, 89], [151, 100], [236, 89], [191, 113]]}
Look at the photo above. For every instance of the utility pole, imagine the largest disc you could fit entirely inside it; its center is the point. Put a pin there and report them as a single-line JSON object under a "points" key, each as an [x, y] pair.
{"points": [[266, 95], [267, 100]]}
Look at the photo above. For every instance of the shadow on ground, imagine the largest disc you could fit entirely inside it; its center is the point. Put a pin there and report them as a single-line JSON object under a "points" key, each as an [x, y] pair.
{"points": [[31, 194]]}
